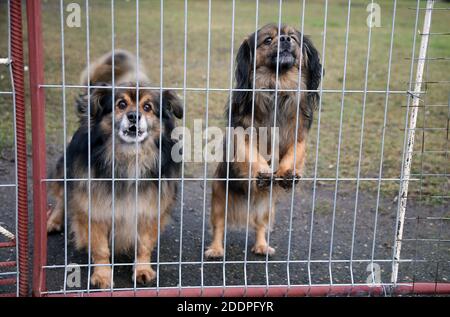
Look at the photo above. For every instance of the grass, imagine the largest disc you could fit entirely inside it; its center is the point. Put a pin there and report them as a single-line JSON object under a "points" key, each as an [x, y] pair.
{"points": [[100, 30]]}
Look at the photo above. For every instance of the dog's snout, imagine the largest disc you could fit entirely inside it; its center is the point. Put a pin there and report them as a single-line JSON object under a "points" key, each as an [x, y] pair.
{"points": [[133, 116]]}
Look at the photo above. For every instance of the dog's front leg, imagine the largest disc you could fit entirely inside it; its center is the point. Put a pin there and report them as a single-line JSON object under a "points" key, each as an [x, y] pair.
{"points": [[261, 246], [215, 250], [260, 168], [148, 235], [100, 251], [293, 159], [55, 216]]}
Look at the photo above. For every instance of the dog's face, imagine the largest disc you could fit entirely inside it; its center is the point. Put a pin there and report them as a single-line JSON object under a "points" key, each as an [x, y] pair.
{"points": [[268, 41], [284, 50], [137, 116]]}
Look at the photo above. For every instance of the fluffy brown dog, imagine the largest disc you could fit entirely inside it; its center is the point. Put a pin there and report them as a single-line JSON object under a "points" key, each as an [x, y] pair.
{"points": [[296, 60], [137, 119]]}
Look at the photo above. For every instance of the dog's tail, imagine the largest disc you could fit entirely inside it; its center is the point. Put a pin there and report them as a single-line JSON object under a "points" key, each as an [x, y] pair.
{"points": [[126, 69]]}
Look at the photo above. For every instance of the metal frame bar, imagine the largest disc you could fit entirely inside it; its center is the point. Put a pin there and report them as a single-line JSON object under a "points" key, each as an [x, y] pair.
{"points": [[275, 291], [407, 157], [36, 66]]}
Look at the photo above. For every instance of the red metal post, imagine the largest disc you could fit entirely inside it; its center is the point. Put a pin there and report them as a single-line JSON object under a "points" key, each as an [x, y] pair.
{"points": [[21, 145], [36, 66]]}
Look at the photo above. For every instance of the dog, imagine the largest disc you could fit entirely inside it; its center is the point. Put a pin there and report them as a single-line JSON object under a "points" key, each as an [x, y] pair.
{"points": [[135, 125], [296, 60]]}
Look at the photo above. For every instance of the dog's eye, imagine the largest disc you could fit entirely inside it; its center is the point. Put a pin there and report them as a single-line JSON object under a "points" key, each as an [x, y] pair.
{"points": [[122, 105], [268, 40], [147, 107]]}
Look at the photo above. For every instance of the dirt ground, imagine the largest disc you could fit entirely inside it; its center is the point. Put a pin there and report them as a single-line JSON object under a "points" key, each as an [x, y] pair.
{"points": [[428, 259]]}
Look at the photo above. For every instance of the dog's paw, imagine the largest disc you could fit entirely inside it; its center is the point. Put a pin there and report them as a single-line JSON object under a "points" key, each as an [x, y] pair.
{"points": [[263, 249], [54, 221], [287, 178], [101, 278], [53, 226], [214, 252], [144, 274], [263, 180]]}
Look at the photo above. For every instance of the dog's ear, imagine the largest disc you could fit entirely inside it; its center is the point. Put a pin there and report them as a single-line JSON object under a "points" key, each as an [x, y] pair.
{"points": [[244, 66], [100, 101], [314, 68], [172, 103]]}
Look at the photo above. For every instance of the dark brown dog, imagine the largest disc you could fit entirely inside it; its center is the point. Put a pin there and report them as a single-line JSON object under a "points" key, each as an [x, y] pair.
{"points": [[297, 60]]}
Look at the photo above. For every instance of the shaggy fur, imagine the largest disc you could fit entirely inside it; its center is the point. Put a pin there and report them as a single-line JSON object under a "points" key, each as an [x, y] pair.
{"points": [[135, 126], [297, 60]]}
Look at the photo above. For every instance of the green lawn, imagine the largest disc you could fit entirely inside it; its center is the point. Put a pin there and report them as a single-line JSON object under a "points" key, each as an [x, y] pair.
{"points": [[245, 19]]}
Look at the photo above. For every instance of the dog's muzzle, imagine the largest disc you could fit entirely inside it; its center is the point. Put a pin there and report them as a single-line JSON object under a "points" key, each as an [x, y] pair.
{"points": [[286, 58], [133, 127]]}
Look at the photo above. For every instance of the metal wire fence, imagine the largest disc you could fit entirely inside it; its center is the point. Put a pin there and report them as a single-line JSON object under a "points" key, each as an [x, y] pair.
{"points": [[370, 214]]}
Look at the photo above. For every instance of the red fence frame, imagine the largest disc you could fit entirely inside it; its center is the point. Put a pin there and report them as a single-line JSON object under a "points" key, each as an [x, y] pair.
{"points": [[36, 62], [36, 66], [277, 291]]}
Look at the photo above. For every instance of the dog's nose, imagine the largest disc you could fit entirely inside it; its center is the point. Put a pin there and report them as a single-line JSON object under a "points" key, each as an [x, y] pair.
{"points": [[285, 38], [133, 117], [285, 42]]}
